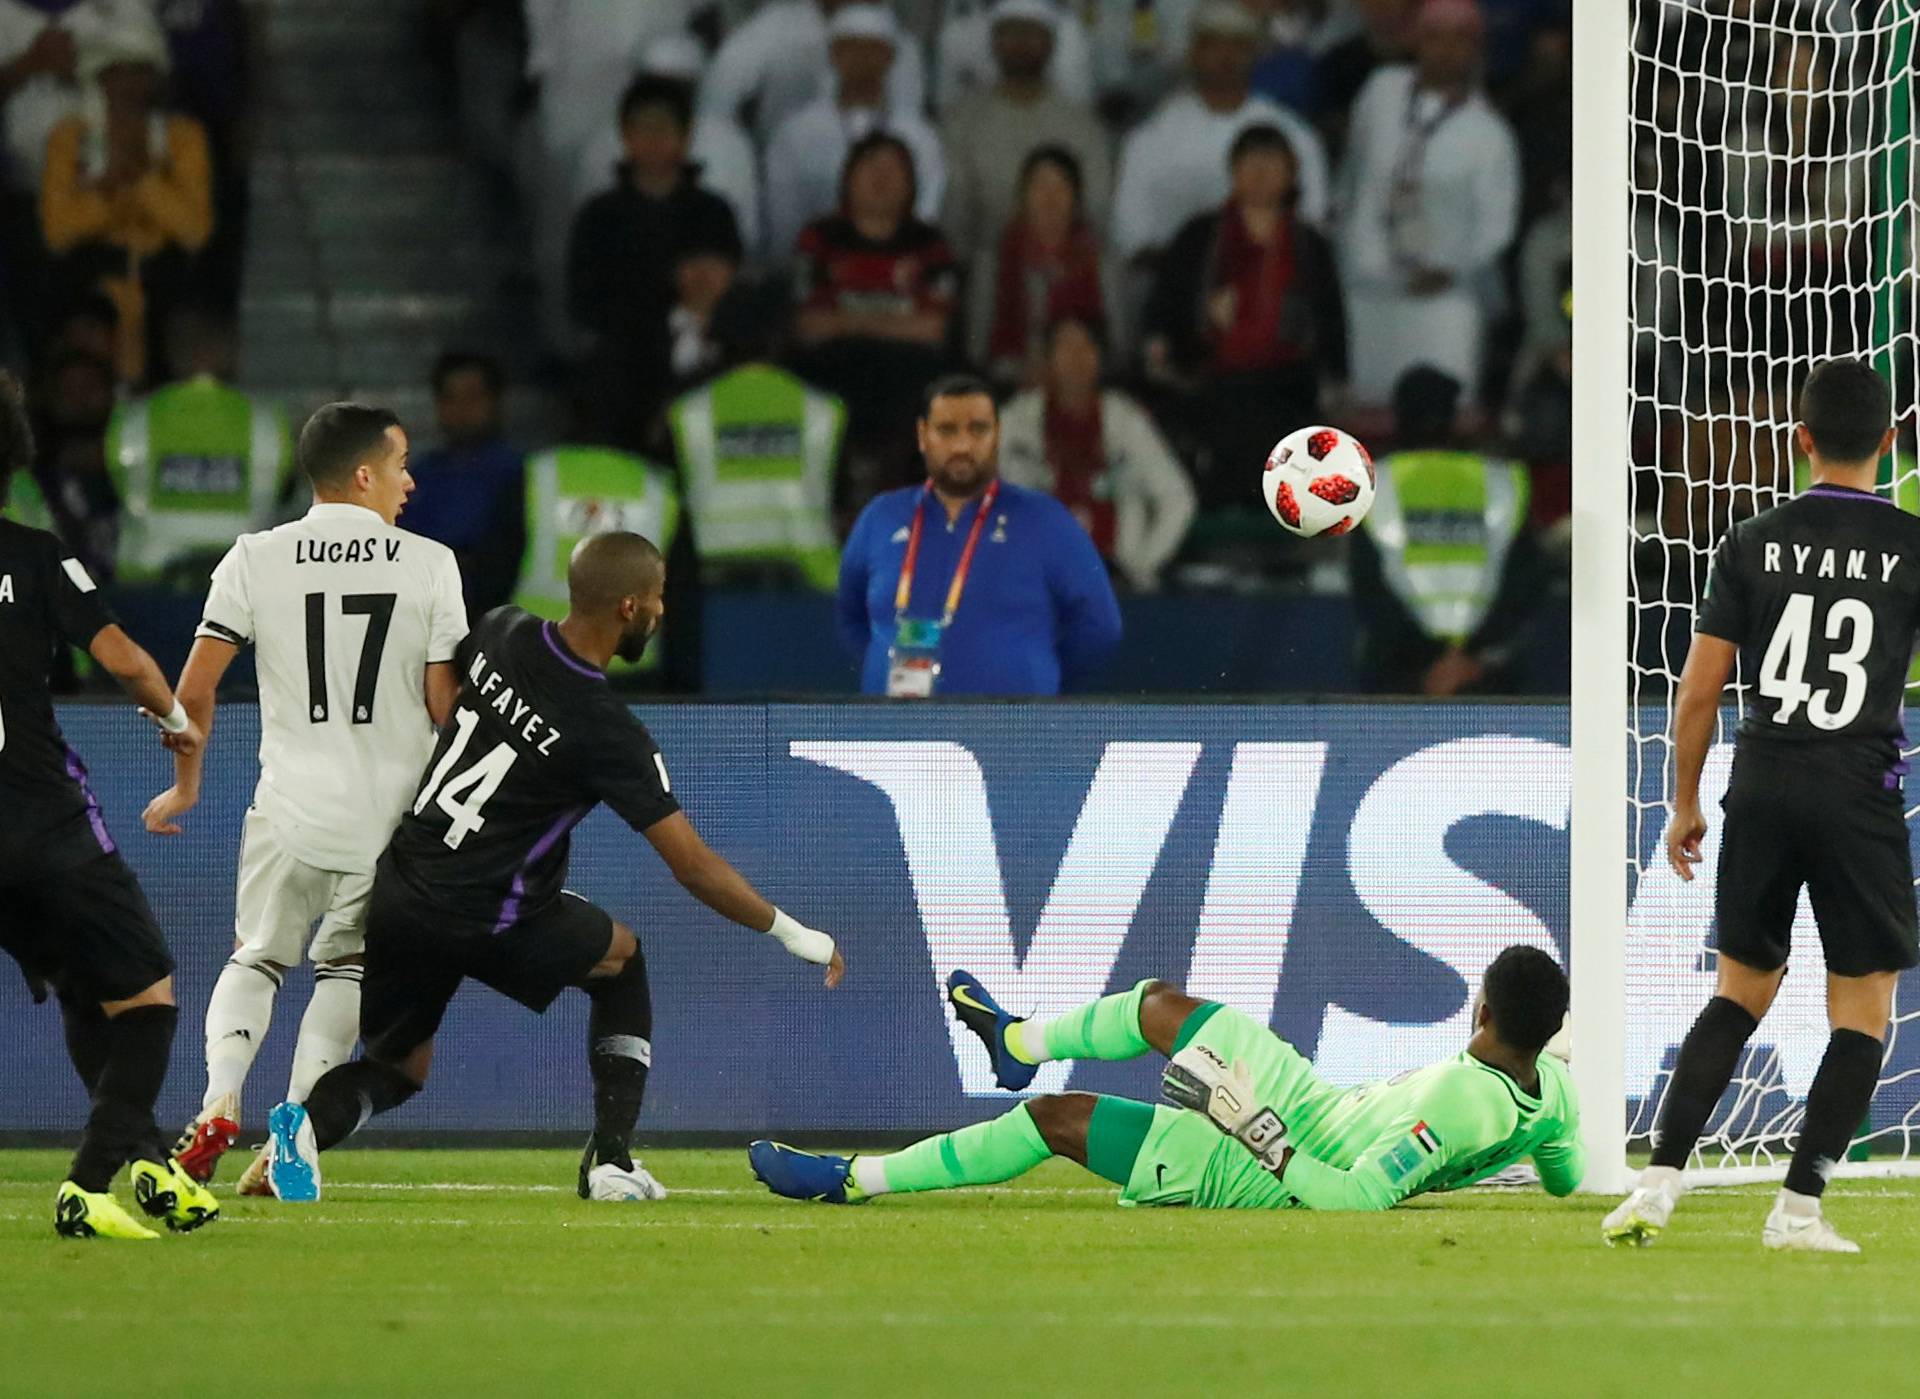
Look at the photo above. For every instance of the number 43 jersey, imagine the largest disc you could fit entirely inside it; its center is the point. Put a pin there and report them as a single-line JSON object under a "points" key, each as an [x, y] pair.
{"points": [[537, 740], [1822, 595], [344, 612]]}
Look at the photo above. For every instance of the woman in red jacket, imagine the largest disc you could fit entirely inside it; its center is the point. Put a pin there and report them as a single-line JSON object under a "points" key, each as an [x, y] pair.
{"points": [[1047, 267]]}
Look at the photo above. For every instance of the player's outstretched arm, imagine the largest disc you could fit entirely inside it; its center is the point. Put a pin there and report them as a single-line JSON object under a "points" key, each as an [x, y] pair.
{"points": [[128, 662], [1562, 1165], [1695, 711], [722, 888], [199, 682]]}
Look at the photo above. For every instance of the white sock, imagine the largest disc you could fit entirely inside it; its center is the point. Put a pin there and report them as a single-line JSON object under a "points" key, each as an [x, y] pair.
{"points": [[328, 1030], [1027, 1041], [1657, 1177], [870, 1174], [237, 1018], [1794, 1203]]}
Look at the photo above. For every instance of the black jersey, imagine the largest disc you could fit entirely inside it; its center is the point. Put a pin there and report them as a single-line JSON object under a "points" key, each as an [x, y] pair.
{"points": [[1822, 595], [536, 741], [48, 816]]}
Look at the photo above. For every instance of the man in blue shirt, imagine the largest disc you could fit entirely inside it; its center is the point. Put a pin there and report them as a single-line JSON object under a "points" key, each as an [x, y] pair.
{"points": [[471, 492], [1003, 592]]}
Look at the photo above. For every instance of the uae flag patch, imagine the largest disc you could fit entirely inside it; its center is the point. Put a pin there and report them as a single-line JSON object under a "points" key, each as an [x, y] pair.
{"points": [[1409, 1155]]}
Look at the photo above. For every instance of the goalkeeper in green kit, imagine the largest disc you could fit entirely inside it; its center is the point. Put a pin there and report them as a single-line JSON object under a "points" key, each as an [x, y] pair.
{"points": [[1247, 1123]]}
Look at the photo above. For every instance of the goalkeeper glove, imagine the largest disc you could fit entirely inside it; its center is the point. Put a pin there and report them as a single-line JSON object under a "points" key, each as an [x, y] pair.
{"points": [[1200, 1080]]}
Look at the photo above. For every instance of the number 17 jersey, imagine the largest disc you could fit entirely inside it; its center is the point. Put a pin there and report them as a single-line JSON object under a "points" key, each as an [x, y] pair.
{"points": [[1822, 596], [344, 612]]}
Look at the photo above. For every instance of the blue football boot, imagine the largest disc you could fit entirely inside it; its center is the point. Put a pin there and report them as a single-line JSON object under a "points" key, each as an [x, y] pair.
{"points": [[983, 1015], [293, 1159], [804, 1175]]}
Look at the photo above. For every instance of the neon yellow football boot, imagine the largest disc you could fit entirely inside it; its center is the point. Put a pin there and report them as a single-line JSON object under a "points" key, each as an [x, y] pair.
{"points": [[85, 1214], [169, 1193]]}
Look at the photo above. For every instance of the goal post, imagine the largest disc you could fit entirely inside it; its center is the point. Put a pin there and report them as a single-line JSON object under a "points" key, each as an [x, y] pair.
{"points": [[1602, 544], [1744, 208]]}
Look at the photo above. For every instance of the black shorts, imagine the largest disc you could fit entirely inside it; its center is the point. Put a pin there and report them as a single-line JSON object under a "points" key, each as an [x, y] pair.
{"points": [[1794, 822], [416, 960], [88, 929]]}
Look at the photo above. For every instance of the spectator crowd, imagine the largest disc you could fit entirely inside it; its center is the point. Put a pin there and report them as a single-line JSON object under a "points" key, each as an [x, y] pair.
{"points": [[1167, 232]]}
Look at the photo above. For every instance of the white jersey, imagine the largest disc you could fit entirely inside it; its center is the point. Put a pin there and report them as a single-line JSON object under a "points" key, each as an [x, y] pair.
{"points": [[344, 612]]}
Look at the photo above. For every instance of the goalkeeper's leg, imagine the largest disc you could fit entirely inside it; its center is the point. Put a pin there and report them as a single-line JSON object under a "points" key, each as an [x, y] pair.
{"points": [[1104, 1134], [1156, 1155], [1158, 1016], [984, 1154], [1121, 1026]]}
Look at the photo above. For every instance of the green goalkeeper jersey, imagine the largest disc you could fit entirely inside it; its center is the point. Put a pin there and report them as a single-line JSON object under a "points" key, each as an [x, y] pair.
{"points": [[1368, 1148], [1438, 1128]]}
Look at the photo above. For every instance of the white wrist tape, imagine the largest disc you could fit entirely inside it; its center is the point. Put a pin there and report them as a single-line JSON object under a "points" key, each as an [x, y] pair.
{"points": [[175, 722], [808, 944]]}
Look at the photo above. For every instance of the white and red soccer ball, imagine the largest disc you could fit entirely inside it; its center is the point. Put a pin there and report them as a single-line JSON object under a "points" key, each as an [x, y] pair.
{"points": [[1318, 480]]}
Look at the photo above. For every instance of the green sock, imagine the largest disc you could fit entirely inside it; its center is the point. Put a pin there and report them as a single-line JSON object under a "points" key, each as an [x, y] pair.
{"points": [[983, 1154], [1109, 1028]]}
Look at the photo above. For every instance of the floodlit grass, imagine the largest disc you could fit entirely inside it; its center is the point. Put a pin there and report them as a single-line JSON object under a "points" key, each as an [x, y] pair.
{"points": [[468, 1272]]}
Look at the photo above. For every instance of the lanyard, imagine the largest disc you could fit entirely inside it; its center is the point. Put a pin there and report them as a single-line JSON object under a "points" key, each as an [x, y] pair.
{"points": [[1413, 144], [904, 592]]}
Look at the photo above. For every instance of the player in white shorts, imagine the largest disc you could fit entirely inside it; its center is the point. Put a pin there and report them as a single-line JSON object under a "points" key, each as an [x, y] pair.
{"points": [[353, 623]]}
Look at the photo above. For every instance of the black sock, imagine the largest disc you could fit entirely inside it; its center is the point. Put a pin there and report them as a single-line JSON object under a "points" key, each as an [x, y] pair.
{"points": [[89, 1036], [1836, 1105], [1700, 1076], [346, 1096], [619, 1052], [121, 1125]]}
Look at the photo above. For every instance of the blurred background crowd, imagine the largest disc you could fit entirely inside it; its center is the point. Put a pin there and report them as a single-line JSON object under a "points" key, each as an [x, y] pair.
{"points": [[687, 266]]}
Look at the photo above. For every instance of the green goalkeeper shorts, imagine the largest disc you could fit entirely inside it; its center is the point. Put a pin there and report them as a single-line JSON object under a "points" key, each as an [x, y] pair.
{"points": [[1184, 1159]]}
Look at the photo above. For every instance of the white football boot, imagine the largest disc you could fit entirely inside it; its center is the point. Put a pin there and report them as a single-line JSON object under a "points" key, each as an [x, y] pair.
{"points": [[1639, 1218], [1794, 1232], [610, 1182], [253, 1180]]}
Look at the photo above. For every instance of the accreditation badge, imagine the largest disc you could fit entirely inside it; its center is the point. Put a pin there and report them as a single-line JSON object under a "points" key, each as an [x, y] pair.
{"points": [[913, 663]]}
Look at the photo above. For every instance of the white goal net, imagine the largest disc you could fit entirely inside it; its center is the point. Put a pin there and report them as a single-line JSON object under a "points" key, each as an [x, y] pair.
{"points": [[1772, 213]]}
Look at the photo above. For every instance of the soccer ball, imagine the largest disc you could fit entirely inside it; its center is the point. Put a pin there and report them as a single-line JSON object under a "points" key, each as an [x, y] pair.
{"points": [[1318, 480]]}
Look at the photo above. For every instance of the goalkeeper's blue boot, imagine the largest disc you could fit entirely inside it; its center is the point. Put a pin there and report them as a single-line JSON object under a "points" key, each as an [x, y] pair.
{"points": [[804, 1175], [983, 1015], [293, 1158]]}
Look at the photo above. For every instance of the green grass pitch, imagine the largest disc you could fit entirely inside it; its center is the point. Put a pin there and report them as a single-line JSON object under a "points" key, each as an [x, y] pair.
{"points": [[462, 1273]]}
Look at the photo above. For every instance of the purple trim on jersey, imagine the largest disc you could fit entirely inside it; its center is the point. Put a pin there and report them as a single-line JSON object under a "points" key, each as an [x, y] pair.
{"points": [[1845, 493], [566, 657], [77, 770], [510, 909]]}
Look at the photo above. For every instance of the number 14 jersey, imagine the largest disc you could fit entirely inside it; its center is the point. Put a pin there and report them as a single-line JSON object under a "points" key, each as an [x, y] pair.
{"points": [[537, 740], [1822, 595], [344, 612]]}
